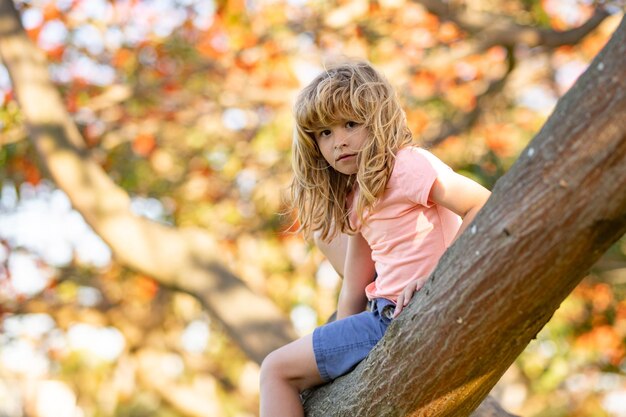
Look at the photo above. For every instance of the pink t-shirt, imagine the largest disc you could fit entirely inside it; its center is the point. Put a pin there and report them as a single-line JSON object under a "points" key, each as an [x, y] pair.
{"points": [[407, 232]]}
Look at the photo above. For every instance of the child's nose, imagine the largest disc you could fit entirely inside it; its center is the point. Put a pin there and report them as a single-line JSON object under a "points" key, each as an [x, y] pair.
{"points": [[341, 138]]}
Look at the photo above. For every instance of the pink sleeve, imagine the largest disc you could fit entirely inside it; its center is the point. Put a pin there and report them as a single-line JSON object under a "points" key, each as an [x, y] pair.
{"points": [[420, 169]]}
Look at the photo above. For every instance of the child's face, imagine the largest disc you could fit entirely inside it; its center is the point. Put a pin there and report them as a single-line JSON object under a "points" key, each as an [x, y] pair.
{"points": [[340, 144]]}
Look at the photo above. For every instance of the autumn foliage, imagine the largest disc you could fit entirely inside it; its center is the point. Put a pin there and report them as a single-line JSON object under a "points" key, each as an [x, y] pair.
{"points": [[188, 109]]}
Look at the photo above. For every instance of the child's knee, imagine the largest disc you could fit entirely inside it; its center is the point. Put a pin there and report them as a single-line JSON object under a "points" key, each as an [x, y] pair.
{"points": [[271, 366], [280, 366]]}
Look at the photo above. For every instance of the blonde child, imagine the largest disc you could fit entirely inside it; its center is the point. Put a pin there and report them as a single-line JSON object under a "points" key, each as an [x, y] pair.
{"points": [[356, 172]]}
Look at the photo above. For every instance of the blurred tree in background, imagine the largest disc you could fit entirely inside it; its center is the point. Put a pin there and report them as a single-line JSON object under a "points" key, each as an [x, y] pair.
{"points": [[183, 119]]}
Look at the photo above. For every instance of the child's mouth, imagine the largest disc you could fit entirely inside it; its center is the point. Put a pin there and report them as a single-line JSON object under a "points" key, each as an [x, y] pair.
{"points": [[344, 157]]}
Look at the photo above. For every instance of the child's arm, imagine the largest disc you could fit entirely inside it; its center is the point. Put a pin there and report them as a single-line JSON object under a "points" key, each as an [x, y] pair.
{"points": [[459, 194], [359, 271]]}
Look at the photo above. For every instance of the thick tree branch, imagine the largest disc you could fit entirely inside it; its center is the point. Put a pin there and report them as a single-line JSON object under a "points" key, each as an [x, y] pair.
{"points": [[490, 30], [187, 259], [548, 220], [511, 33]]}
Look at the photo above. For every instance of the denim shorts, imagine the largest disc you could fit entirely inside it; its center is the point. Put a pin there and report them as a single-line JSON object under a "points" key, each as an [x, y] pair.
{"points": [[339, 346]]}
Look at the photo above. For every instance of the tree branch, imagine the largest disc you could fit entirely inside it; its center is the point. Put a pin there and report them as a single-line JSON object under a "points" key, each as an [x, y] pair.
{"points": [[548, 220], [184, 258], [468, 120], [490, 30]]}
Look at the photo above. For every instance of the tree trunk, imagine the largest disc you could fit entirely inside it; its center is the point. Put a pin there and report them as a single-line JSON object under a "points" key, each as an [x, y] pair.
{"points": [[185, 259], [548, 220]]}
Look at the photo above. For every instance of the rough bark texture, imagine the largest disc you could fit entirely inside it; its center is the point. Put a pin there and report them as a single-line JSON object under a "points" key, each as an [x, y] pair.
{"points": [[186, 259], [548, 220]]}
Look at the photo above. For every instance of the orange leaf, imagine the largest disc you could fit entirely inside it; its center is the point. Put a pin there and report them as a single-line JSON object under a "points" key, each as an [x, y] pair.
{"points": [[56, 53], [417, 120], [448, 32], [602, 297], [171, 86], [33, 33], [144, 144], [71, 101], [146, 287], [28, 169], [462, 96], [498, 138], [604, 340], [121, 57], [50, 12], [423, 85], [8, 96], [214, 42]]}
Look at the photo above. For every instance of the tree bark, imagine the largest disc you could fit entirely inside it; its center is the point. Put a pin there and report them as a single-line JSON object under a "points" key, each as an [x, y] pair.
{"points": [[560, 206], [184, 259]]}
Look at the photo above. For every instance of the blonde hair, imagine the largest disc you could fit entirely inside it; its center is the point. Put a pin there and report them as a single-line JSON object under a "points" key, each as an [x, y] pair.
{"points": [[352, 91]]}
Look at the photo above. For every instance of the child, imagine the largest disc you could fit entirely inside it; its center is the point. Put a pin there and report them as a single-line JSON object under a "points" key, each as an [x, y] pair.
{"points": [[356, 173]]}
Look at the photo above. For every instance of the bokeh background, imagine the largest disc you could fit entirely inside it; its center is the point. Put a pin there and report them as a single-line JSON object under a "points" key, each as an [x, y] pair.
{"points": [[186, 104]]}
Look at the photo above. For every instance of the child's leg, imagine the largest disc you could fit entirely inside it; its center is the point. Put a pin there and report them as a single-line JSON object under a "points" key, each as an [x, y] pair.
{"points": [[284, 374]]}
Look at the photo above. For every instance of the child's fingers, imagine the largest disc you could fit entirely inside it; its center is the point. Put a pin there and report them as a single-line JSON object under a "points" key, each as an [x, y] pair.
{"points": [[399, 305], [408, 292], [397, 311], [405, 296], [403, 299]]}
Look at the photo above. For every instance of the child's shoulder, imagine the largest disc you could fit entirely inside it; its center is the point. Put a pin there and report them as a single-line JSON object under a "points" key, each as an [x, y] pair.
{"points": [[414, 155], [414, 158], [407, 150]]}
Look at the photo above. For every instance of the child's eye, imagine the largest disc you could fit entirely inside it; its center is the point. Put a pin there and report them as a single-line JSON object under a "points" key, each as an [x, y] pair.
{"points": [[323, 133], [351, 124]]}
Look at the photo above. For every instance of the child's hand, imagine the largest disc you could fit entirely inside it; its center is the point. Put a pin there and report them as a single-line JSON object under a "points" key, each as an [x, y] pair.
{"points": [[407, 294]]}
